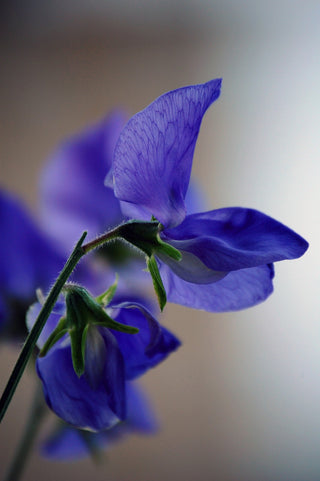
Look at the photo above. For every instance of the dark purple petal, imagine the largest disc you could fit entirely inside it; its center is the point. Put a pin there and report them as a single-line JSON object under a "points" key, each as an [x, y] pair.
{"points": [[135, 348], [28, 260], [238, 290], [235, 238], [73, 399], [153, 157], [73, 195]]}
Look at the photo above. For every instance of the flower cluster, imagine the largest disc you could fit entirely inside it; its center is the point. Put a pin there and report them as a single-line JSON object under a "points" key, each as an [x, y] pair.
{"points": [[132, 181]]}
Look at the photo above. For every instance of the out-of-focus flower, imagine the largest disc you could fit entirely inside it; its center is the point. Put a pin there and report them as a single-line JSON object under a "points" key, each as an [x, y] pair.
{"points": [[67, 443], [94, 397], [28, 260], [73, 197], [227, 254]]}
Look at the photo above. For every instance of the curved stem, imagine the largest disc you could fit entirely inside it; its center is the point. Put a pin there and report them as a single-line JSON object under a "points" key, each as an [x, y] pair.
{"points": [[36, 415], [35, 332]]}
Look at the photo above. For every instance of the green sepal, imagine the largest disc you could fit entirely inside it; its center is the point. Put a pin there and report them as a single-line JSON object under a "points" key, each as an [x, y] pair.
{"points": [[145, 236], [83, 311], [78, 349], [157, 281], [92, 312], [106, 297], [141, 234], [117, 326], [54, 337], [168, 249]]}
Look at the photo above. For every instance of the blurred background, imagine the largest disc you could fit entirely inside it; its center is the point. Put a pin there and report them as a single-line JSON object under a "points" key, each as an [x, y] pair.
{"points": [[240, 400]]}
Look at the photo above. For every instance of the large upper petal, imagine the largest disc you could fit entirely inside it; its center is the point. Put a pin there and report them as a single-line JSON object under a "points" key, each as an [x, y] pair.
{"points": [[73, 195], [238, 290], [153, 156], [235, 238]]}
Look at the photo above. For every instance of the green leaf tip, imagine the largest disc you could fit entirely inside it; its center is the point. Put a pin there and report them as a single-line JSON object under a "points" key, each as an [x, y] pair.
{"points": [[157, 281]]}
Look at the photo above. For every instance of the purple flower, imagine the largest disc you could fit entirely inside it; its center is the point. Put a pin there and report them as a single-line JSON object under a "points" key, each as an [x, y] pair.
{"points": [[67, 443], [227, 254], [96, 400], [28, 261], [73, 197]]}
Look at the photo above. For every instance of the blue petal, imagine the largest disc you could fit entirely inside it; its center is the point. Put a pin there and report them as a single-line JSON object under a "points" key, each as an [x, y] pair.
{"points": [[154, 327], [194, 202], [73, 399], [67, 443], [140, 416], [70, 443], [235, 238], [73, 194], [114, 380], [191, 268], [138, 355], [238, 290], [153, 157], [28, 260]]}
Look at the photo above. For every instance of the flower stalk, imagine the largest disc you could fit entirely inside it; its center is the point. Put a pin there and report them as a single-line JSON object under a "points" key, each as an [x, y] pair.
{"points": [[34, 334]]}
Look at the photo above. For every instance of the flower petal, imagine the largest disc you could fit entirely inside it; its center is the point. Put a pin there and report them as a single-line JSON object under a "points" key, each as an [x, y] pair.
{"points": [[140, 416], [73, 399], [153, 156], [235, 238], [238, 290], [28, 259], [73, 194], [194, 202], [69, 443], [154, 326], [138, 355], [191, 268]]}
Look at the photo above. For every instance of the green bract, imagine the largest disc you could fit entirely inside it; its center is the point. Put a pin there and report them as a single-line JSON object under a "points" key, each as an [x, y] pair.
{"points": [[84, 314]]}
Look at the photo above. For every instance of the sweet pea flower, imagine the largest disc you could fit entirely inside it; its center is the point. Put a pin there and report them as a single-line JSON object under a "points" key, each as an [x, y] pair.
{"points": [[96, 399], [28, 261], [227, 254], [68, 443]]}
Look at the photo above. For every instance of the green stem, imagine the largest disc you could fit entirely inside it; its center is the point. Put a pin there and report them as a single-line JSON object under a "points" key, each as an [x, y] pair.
{"points": [[36, 415], [35, 332], [99, 241]]}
